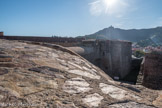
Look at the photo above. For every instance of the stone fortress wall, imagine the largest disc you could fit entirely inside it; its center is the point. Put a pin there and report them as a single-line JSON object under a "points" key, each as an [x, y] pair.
{"points": [[64, 41], [114, 57], [152, 70]]}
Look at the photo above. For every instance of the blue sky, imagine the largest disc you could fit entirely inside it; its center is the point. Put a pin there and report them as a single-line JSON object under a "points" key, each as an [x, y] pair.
{"points": [[76, 17]]}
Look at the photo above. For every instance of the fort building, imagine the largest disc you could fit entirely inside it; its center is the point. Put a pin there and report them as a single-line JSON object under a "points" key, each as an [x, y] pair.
{"points": [[152, 70], [114, 57]]}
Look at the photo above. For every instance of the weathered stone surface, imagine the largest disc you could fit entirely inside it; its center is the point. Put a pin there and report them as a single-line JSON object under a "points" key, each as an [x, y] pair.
{"points": [[4, 58], [3, 71], [76, 85], [130, 105], [85, 73], [116, 93], [158, 101], [93, 100], [46, 70], [66, 105], [75, 65], [10, 100], [11, 65], [48, 76]]}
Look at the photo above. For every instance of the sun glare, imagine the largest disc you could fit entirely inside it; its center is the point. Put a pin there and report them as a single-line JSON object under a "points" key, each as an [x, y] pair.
{"points": [[110, 3], [115, 8], [110, 6]]}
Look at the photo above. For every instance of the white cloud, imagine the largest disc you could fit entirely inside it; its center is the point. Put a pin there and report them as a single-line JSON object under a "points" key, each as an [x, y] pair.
{"points": [[116, 8], [96, 7]]}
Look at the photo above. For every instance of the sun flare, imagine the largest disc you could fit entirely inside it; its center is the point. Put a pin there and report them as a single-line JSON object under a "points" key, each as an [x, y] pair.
{"points": [[110, 6], [115, 8], [110, 3]]}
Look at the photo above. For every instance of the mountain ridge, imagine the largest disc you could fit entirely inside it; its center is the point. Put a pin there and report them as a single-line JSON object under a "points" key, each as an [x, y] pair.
{"points": [[133, 35]]}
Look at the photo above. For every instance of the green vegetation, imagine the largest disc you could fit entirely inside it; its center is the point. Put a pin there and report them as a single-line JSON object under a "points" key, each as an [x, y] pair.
{"points": [[139, 54], [154, 40], [145, 43]]}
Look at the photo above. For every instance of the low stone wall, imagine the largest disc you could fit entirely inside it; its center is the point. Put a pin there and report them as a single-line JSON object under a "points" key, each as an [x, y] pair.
{"points": [[152, 71], [64, 41]]}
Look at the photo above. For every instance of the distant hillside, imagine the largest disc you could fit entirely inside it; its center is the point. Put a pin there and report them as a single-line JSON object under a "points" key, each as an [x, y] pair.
{"points": [[155, 40], [133, 35]]}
